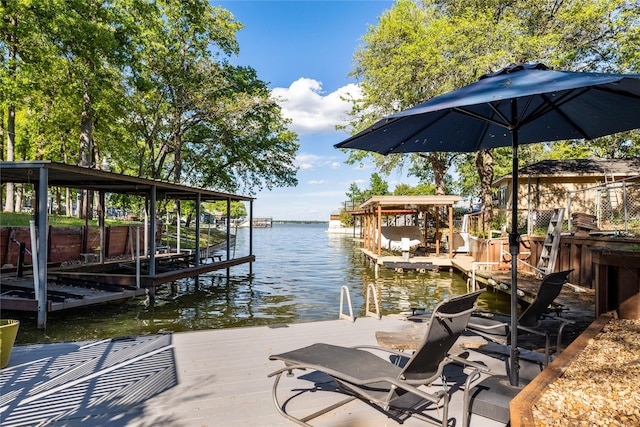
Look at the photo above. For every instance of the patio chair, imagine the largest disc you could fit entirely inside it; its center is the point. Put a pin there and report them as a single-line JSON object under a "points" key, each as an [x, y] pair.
{"points": [[393, 388], [530, 319]]}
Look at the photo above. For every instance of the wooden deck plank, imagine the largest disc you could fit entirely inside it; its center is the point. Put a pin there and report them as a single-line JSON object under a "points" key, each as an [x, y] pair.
{"points": [[203, 378]]}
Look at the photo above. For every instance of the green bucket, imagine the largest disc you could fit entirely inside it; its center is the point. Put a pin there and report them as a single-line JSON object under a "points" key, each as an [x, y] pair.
{"points": [[8, 332]]}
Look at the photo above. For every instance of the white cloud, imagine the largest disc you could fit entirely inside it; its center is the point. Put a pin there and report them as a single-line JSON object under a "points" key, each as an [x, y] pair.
{"points": [[305, 161], [312, 111], [317, 182]]}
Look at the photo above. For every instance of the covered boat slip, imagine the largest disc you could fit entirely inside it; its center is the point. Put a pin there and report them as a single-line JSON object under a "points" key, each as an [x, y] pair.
{"points": [[45, 174], [381, 231]]}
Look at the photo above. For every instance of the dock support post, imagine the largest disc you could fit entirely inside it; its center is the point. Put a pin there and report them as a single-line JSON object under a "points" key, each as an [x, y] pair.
{"points": [[101, 215], [138, 257], [43, 187], [21, 259], [34, 258], [151, 291], [198, 201]]}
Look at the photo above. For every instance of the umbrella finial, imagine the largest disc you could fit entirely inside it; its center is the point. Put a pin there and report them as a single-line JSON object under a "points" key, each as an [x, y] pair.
{"points": [[512, 68]]}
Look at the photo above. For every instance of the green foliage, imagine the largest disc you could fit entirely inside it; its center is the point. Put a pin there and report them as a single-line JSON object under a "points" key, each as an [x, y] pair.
{"points": [[152, 87], [238, 209], [377, 187], [346, 219], [419, 50], [355, 195], [21, 219], [419, 190]]}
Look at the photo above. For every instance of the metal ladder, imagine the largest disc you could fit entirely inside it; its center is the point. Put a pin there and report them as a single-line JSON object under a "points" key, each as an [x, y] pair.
{"points": [[611, 193], [371, 294], [549, 255]]}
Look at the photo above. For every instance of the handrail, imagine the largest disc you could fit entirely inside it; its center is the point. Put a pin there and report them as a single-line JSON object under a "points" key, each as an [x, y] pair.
{"points": [[371, 290], [473, 271], [504, 252], [345, 290]]}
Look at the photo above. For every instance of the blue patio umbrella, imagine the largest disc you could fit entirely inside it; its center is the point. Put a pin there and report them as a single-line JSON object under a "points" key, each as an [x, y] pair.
{"points": [[520, 104]]}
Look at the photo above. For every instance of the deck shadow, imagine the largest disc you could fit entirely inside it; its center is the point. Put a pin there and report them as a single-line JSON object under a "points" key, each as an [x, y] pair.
{"points": [[94, 383]]}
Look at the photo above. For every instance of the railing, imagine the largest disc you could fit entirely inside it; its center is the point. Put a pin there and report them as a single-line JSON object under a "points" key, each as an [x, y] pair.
{"points": [[371, 294]]}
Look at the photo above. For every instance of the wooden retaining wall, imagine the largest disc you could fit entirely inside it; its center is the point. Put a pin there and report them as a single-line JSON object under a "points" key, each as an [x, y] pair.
{"points": [[67, 243], [573, 253]]}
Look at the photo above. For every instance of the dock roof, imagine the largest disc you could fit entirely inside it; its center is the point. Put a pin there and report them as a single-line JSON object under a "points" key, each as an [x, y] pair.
{"points": [[72, 176], [409, 202]]}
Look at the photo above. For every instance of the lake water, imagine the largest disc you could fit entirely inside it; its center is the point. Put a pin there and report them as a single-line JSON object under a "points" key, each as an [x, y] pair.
{"points": [[297, 277]]}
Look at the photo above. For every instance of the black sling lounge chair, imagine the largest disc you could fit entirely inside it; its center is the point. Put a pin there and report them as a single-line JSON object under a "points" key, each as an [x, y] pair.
{"points": [[392, 388], [529, 321]]}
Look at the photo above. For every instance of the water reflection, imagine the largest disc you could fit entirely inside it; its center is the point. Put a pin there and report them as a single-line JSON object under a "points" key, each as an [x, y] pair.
{"points": [[297, 277]]}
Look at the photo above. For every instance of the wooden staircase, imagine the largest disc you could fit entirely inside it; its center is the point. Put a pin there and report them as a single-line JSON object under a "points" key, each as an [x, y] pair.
{"points": [[549, 255]]}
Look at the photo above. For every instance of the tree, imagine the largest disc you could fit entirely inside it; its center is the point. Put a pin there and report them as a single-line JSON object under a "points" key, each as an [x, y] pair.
{"points": [[420, 50], [146, 87], [16, 32], [422, 189], [238, 209], [377, 186], [223, 127]]}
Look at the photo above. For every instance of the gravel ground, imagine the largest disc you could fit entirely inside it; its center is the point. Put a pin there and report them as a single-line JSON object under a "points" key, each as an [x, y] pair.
{"points": [[601, 387]]}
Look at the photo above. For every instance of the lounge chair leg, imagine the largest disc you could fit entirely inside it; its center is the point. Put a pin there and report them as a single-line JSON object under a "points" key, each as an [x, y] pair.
{"points": [[303, 421], [559, 342]]}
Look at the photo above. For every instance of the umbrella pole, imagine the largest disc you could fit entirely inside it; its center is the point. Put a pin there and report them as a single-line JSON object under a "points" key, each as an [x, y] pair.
{"points": [[514, 249]]}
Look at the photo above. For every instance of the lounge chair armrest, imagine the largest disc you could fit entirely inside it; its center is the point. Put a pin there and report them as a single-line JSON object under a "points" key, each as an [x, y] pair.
{"points": [[565, 321], [468, 363], [472, 325], [383, 349], [533, 331]]}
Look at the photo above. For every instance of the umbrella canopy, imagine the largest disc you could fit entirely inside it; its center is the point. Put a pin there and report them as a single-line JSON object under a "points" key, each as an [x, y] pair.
{"points": [[529, 100], [520, 104]]}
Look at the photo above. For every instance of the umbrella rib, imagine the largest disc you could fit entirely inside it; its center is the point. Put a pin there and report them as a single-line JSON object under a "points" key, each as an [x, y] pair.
{"points": [[567, 118], [391, 150], [483, 118], [549, 106], [617, 92]]}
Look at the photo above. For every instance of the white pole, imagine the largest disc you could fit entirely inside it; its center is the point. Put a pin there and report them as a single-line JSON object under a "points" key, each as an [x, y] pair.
{"points": [[138, 257], [178, 232], [146, 233], [34, 259]]}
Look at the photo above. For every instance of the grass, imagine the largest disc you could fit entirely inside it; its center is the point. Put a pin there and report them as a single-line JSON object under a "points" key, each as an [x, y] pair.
{"points": [[187, 234], [21, 219]]}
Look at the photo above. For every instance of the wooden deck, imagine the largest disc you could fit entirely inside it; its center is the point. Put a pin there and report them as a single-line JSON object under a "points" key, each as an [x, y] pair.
{"points": [[440, 261], [97, 283], [206, 378]]}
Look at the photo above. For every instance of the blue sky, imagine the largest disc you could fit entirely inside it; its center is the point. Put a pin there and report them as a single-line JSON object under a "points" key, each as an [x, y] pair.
{"points": [[304, 50]]}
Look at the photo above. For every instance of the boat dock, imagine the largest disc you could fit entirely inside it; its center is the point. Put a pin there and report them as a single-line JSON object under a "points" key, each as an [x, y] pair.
{"points": [[204, 378], [107, 282], [576, 303], [430, 261], [97, 283]]}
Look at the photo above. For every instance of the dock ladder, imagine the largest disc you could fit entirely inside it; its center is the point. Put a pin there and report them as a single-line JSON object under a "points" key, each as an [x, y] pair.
{"points": [[549, 255], [371, 293]]}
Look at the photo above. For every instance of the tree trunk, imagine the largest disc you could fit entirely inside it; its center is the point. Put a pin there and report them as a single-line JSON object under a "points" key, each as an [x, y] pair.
{"points": [[484, 165], [11, 136], [177, 143], [85, 142], [1, 149], [19, 205], [11, 108], [58, 201], [439, 172]]}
